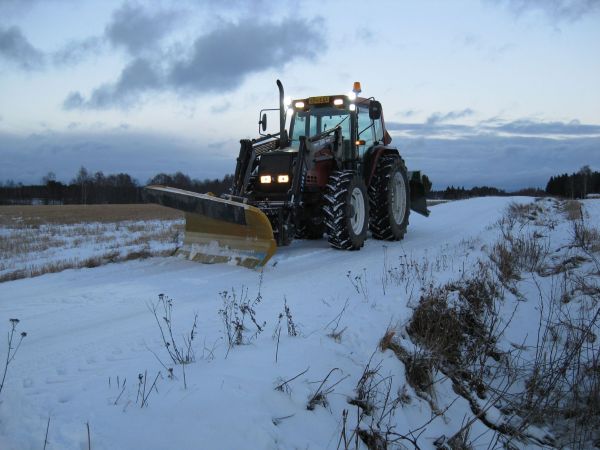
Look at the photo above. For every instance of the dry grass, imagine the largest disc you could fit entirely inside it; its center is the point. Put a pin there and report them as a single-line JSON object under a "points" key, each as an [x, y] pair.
{"points": [[586, 237], [523, 212], [35, 215], [572, 209]]}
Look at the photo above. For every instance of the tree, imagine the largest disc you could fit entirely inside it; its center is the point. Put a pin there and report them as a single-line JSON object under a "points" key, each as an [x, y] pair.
{"points": [[82, 180], [50, 176], [586, 174]]}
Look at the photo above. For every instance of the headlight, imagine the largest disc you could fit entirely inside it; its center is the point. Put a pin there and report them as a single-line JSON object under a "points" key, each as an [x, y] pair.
{"points": [[338, 102], [265, 179], [283, 178], [299, 105]]}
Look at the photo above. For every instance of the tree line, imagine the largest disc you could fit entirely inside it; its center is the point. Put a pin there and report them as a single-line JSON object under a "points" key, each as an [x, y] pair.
{"points": [[576, 185], [94, 188], [459, 192]]}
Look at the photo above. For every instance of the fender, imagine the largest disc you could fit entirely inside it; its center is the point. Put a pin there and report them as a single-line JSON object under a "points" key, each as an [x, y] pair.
{"points": [[372, 158]]}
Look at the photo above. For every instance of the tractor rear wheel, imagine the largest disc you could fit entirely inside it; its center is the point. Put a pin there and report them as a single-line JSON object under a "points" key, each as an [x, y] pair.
{"points": [[389, 198], [346, 210]]}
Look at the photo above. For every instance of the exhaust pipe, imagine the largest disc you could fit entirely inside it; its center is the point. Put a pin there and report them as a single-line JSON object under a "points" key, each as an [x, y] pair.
{"points": [[283, 138]]}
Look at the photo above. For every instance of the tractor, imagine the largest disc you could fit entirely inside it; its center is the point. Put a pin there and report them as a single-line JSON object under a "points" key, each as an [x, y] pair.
{"points": [[332, 172]]}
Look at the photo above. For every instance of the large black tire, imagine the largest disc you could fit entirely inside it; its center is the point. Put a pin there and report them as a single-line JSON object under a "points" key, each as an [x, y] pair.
{"points": [[389, 198], [346, 210]]}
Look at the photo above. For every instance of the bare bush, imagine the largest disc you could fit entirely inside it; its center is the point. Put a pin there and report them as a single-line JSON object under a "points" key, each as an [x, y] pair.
{"points": [[13, 345], [291, 326], [452, 320], [563, 380], [360, 283], [237, 311], [144, 389], [319, 397], [180, 353], [419, 368]]}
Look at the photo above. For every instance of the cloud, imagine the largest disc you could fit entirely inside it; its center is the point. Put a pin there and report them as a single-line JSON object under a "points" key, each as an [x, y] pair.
{"points": [[218, 61], [132, 27], [505, 154], [15, 47], [556, 10], [532, 127], [75, 51], [136, 29], [141, 154], [452, 115], [436, 126], [139, 76], [507, 162]]}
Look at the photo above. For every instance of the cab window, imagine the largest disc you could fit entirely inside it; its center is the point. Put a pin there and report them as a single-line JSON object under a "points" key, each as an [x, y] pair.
{"points": [[379, 131], [310, 123], [365, 130]]}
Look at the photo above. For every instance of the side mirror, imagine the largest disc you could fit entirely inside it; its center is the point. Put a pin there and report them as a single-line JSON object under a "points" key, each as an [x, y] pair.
{"points": [[374, 110], [263, 122]]}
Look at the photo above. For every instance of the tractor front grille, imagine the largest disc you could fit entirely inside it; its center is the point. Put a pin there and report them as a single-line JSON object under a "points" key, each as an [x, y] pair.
{"points": [[266, 147]]}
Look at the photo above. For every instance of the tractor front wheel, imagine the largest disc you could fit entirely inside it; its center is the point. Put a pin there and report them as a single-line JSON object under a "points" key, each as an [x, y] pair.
{"points": [[346, 210]]}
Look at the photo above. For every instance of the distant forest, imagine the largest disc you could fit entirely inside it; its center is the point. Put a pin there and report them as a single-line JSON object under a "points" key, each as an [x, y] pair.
{"points": [[87, 188], [576, 185]]}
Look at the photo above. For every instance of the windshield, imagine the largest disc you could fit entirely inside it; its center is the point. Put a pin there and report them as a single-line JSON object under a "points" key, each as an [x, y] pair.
{"points": [[317, 120]]}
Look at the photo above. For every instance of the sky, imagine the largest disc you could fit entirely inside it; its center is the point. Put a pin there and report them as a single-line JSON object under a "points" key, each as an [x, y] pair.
{"points": [[477, 92]]}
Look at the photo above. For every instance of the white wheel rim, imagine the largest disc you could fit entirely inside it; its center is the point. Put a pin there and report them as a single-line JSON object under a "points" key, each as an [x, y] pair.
{"points": [[398, 197], [357, 220]]}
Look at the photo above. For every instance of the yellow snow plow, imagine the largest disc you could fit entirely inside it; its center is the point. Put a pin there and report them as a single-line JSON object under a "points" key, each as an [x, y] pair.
{"points": [[219, 230]]}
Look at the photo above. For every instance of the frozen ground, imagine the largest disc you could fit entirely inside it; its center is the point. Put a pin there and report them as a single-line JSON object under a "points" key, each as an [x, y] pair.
{"points": [[91, 335]]}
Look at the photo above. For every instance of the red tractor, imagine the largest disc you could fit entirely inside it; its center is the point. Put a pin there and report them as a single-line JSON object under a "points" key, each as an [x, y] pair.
{"points": [[333, 172]]}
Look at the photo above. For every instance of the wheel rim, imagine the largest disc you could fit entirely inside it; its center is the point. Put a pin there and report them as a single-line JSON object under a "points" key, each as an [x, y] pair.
{"points": [[398, 197], [357, 220]]}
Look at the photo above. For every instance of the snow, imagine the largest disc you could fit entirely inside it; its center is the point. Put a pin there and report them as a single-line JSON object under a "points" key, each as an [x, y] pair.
{"points": [[88, 326]]}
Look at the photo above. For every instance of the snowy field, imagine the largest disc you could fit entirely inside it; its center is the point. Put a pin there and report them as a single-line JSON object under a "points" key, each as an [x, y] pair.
{"points": [[43, 239], [292, 357]]}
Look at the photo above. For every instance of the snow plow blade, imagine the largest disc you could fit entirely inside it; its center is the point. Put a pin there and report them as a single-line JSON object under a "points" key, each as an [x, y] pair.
{"points": [[218, 230]]}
